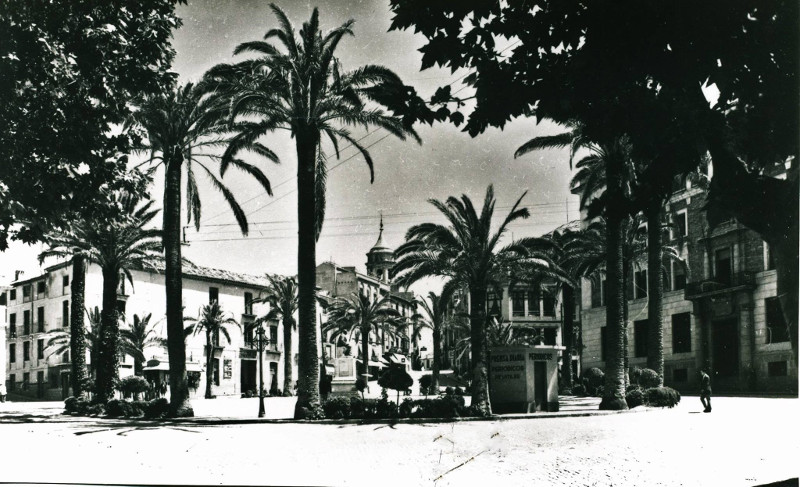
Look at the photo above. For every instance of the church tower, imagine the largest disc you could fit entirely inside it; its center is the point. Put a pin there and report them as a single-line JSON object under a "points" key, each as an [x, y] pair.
{"points": [[380, 258]]}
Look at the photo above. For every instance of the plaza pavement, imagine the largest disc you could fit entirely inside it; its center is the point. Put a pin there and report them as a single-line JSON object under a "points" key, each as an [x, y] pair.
{"points": [[743, 442]]}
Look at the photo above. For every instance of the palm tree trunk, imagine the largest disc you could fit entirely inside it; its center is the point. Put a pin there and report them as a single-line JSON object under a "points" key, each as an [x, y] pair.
{"points": [[308, 401], [288, 379], [108, 356], [179, 405], [655, 285], [365, 353], [480, 352], [614, 389], [569, 333], [77, 327], [209, 364], [437, 357], [627, 281]]}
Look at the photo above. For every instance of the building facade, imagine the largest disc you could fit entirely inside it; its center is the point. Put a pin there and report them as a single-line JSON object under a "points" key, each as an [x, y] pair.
{"points": [[720, 313], [38, 309]]}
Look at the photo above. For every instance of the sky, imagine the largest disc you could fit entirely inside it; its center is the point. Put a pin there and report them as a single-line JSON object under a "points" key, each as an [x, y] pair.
{"points": [[448, 162]]}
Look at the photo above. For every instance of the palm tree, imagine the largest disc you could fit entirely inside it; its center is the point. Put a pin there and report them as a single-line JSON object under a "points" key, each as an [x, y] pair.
{"points": [[435, 318], [282, 298], [182, 127], [60, 341], [212, 321], [301, 88], [116, 245], [140, 335], [468, 253], [358, 315]]}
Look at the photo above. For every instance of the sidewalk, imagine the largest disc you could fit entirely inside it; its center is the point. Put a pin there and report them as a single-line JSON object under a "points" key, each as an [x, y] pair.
{"points": [[232, 410]]}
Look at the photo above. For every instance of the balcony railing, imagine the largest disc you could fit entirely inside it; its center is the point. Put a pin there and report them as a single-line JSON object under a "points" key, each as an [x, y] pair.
{"points": [[738, 280]]}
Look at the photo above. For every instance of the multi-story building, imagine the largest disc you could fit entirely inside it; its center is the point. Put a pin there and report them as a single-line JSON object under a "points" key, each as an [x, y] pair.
{"points": [[39, 307], [337, 281], [721, 314]]}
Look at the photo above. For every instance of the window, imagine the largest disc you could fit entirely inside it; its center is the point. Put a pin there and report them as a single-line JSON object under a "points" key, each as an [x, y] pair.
{"points": [[640, 338], [681, 227], [640, 284], [678, 183], [493, 304], [769, 258], [40, 289], [549, 302], [681, 333], [678, 276], [3, 299], [26, 322], [680, 375], [777, 331], [40, 319], [64, 284], [248, 303], [40, 349], [121, 306], [65, 314], [12, 325], [12, 295], [213, 294], [12, 353], [26, 292], [723, 266], [26, 351], [777, 369], [273, 336], [216, 371], [534, 296], [550, 336], [12, 382], [26, 380], [518, 303]]}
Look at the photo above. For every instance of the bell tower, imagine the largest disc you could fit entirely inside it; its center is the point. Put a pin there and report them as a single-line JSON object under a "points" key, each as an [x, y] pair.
{"points": [[380, 258]]}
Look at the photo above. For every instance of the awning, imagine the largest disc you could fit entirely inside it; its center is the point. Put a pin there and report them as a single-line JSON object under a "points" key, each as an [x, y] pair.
{"points": [[164, 366], [373, 364], [396, 358]]}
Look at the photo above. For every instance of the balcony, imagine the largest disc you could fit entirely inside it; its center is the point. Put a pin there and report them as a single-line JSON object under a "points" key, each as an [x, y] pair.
{"points": [[709, 287]]}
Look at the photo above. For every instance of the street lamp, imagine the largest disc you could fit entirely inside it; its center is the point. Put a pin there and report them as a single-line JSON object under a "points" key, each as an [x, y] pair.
{"points": [[261, 342]]}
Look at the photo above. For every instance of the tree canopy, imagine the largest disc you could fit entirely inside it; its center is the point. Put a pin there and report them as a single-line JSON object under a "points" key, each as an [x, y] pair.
{"points": [[68, 71]]}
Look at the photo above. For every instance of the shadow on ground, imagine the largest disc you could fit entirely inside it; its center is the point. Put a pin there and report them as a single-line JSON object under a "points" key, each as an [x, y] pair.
{"points": [[783, 483]]}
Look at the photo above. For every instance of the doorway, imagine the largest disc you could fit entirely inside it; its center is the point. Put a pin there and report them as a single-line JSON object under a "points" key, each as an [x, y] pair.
{"points": [[725, 347], [540, 386], [65, 385], [248, 375]]}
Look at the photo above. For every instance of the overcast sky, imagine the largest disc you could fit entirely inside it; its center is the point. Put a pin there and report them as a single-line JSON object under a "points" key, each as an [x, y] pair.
{"points": [[448, 162]]}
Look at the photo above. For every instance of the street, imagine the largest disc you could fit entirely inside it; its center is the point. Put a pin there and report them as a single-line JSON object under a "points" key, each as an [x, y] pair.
{"points": [[744, 441]]}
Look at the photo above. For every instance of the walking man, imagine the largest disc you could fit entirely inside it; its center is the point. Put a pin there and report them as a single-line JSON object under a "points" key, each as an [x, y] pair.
{"points": [[705, 391]]}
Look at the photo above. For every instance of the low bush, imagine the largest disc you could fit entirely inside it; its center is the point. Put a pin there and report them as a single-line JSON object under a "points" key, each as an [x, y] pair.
{"points": [[634, 397], [563, 390], [95, 410], [116, 408], [578, 390], [592, 379], [648, 378], [446, 406], [156, 408], [133, 386], [632, 387], [662, 397], [75, 405], [337, 408], [598, 391]]}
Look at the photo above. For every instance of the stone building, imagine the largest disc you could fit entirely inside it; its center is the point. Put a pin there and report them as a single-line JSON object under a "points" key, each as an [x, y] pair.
{"points": [[38, 307], [721, 314]]}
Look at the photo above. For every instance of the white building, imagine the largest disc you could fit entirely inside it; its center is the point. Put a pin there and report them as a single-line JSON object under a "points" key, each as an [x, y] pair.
{"points": [[39, 306]]}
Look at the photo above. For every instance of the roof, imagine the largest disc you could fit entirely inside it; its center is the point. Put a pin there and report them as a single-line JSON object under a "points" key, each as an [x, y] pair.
{"points": [[379, 245]]}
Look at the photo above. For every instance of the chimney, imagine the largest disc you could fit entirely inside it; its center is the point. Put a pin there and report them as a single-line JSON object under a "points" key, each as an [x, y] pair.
{"points": [[17, 275]]}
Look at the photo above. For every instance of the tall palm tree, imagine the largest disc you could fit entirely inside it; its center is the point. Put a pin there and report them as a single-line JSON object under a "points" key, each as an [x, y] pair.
{"points": [[183, 129], [60, 341], [115, 245], [360, 316], [295, 83], [467, 252], [282, 298], [435, 318], [140, 335], [212, 321]]}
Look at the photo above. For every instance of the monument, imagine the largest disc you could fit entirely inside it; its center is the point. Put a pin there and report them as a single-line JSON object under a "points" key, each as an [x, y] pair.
{"points": [[524, 379]]}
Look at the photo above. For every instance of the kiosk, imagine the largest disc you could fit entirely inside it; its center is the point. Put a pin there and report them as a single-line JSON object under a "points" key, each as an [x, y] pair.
{"points": [[524, 379]]}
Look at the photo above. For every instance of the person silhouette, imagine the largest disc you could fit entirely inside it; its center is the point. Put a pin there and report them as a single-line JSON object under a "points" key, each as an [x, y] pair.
{"points": [[705, 391]]}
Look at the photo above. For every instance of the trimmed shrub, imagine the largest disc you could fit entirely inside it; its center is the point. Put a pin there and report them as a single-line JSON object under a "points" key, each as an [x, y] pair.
{"points": [[632, 387], [95, 410], [133, 386], [598, 392], [648, 378], [592, 379], [396, 378], [634, 397], [425, 384], [337, 408], [578, 390], [156, 408], [75, 405], [361, 384], [661, 397], [116, 408]]}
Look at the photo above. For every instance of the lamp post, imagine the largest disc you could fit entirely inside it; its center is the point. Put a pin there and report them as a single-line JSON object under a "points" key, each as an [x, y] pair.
{"points": [[261, 340]]}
